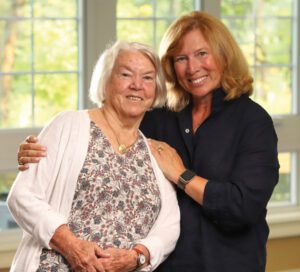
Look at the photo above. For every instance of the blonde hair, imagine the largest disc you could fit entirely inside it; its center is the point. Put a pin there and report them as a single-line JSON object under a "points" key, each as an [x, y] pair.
{"points": [[235, 79], [106, 62]]}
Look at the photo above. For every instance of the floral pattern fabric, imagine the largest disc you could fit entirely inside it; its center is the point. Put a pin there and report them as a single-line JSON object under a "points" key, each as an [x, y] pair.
{"points": [[116, 201]]}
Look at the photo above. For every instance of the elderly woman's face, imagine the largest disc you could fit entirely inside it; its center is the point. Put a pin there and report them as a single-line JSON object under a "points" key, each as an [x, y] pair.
{"points": [[195, 66], [131, 88]]}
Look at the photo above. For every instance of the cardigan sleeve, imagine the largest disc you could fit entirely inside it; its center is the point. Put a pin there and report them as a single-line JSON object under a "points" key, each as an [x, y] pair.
{"points": [[36, 195], [162, 238]]}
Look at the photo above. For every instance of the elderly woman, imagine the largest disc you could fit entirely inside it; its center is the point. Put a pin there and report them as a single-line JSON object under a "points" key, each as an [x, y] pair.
{"points": [[99, 202]]}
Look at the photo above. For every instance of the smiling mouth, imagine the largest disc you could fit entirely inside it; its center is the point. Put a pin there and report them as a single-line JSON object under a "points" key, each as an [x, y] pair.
{"points": [[198, 80], [134, 98]]}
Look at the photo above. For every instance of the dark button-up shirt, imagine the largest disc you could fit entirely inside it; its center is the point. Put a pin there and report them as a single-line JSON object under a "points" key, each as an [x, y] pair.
{"points": [[235, 148]]}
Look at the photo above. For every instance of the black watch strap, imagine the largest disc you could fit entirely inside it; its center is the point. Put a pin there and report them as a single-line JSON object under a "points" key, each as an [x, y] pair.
{"points": [[185, 178]]}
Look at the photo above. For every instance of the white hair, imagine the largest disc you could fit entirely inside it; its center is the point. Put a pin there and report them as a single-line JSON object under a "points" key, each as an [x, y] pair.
{"points": [[105, 64]]}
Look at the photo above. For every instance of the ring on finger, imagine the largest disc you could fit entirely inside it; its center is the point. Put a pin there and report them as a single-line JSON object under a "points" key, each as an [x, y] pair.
{"points": [[160, 149]]}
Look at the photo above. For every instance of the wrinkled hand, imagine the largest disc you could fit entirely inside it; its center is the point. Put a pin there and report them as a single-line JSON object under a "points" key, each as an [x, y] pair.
{"points": [[30, 152], [121, 260], [85, 256], [168, 160]]}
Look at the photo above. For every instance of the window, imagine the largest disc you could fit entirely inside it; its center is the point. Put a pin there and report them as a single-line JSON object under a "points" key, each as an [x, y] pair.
{"points": [[39, 61], [265, 30], [39, 75], [146, 20]]}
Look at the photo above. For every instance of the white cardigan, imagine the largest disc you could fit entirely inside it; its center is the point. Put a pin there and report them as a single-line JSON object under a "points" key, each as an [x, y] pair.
{"points": [[41, 197]]}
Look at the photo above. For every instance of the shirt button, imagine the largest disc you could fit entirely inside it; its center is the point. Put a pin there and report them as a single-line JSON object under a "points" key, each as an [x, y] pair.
{"points": [[187, 130]]}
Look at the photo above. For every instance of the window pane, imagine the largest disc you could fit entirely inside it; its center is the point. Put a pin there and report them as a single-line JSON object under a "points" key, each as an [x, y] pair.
{"points": [[135, 30], [271, 7], [7, 221], [15, 44], [148, 30], [55, 8], [261, 7], [273, 42], [15, 101], [58, 96], [236, 8], [282, 192], [173, 8], [15, 8], [272, 89], [6, 180], [245, 38], [54, 50], [161, 26], [36, 45], [134, 8], [263, 29]]}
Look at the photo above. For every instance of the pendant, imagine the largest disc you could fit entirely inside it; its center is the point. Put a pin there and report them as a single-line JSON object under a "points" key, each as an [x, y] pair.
{"points": [[122, 148]]}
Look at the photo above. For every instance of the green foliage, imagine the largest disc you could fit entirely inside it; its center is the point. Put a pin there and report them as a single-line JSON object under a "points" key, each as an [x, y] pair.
{"points": [[18, 103], [55, 8], [263, 29], [45, 53], [54, 92], [6, 180], [134, 8], [149, 30], [135, 30], [173, 9], [54, 50], [282, 190], [236, 7]]}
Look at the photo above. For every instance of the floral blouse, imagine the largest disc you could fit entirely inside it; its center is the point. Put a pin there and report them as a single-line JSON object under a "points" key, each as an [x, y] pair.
{"points": [[116, 201]]}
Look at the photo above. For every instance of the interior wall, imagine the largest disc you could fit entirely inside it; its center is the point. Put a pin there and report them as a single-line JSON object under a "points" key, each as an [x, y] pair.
{"points": [[283, 254]]}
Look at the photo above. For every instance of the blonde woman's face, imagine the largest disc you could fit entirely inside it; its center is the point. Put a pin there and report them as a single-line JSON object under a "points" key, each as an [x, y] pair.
{"points": [[195, 66], [131, 88]]}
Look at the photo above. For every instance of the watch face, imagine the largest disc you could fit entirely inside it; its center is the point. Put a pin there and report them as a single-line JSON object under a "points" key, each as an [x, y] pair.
{"points": [[185, 178], [142, 259]]}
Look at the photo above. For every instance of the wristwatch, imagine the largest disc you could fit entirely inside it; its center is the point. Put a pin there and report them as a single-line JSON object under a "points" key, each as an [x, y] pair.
{"points": [[141, 258], [185, 178]]}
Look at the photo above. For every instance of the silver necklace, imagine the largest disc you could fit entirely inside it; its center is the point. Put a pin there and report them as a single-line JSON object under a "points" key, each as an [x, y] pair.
{"points": [[122, 148]]}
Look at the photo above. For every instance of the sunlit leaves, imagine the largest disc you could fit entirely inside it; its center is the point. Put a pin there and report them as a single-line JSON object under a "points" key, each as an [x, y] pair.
{"points": [[146, 20], [263, 29], [15, 101], [134, 8], [40, 58]]}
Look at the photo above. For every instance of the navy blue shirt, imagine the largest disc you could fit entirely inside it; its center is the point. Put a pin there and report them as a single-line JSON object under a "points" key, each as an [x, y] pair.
{"points": [[235, 148]]}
